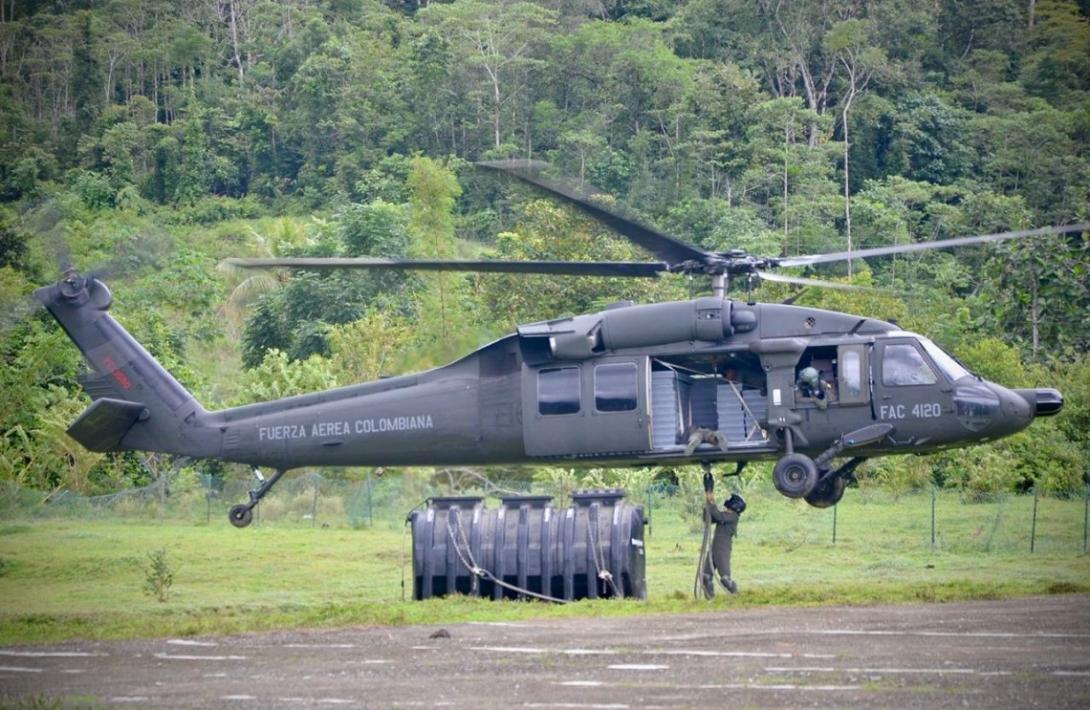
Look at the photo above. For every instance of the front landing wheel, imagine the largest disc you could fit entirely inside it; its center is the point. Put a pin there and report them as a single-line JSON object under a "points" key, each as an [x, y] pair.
{"points": [[241, 516], [828, 492], [795, 475]]}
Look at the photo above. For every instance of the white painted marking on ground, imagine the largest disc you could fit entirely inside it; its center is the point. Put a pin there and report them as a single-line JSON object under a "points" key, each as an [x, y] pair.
{"points": [[292, 700], [620, 706], [19, 669], [830, 669], [238, 697], [509, 649], [829, 687], [638, 667], [73, 670], [702, 652], [589, 652], [425, 648], [50, 654], [185, 657], [376, 661], [818, 655], [129, 699], [780, 686], [995, 673], [191, 642], [966, 634], [1077, 673], [582, 683], [512, 624], [318, 645], [213, 675], [336, 701]]}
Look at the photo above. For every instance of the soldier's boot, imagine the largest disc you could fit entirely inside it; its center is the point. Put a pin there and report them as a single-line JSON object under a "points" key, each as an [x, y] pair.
{"points": [[709, 586], [729, 584]]}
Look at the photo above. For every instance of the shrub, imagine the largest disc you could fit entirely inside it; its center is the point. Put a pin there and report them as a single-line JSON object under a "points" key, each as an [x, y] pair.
{"points": [[159, 576]]}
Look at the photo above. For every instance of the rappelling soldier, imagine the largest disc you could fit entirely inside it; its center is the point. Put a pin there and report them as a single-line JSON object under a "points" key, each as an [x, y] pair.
{"points": [[726, 525]]}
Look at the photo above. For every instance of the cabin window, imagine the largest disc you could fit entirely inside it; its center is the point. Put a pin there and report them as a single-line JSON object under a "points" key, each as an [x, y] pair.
{"points": [[903, 365], [615, 387], [853, 384], [558, 390]]}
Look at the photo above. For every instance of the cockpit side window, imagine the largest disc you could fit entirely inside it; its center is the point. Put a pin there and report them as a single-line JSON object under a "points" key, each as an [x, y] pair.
{"points": [[902, 364]]}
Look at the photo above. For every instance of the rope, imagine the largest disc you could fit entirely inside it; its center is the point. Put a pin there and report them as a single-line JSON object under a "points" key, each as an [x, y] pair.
{"points": [[702, 560], [604, 574], [745, 407], [473, 568]]}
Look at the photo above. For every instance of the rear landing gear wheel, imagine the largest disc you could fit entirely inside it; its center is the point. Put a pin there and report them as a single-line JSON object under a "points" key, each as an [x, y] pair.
{"points": [[241, 516], [795, 475], [828, 492]]}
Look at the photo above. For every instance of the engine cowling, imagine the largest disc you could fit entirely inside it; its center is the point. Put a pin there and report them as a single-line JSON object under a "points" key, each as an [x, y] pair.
{"points": [[704, 319]]}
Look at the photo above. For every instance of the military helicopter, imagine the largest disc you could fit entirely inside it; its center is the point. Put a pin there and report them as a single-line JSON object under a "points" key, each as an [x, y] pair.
{"points": [[710, 380]]}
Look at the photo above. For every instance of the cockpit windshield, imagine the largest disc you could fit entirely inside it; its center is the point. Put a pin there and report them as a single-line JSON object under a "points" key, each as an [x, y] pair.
{"points": [[950, 367]]}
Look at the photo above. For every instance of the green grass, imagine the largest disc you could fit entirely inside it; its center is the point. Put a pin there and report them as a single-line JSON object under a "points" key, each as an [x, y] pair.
{"points": [[67, 579]]}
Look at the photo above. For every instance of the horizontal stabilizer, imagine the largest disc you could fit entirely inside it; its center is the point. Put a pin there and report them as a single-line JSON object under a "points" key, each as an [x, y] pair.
{"points": [[102, 425]]}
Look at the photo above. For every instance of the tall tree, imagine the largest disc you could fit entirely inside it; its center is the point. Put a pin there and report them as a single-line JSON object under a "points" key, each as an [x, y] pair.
{"points": [[500, 40], [850, 42]]}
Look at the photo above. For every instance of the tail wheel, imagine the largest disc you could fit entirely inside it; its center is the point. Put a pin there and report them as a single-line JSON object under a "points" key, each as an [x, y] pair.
{"points": [[241, 516], [828, 492], [795, 475]]}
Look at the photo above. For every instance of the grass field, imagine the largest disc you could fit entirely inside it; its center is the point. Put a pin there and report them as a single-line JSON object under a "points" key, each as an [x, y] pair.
{"points": [[68, 578]]}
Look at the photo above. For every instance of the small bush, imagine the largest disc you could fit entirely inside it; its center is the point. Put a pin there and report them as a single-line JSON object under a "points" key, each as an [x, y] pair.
{"points": [[159, 576]]}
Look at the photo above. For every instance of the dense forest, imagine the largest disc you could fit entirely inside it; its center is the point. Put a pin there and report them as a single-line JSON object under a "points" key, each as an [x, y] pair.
{"points": [[155, 138]]}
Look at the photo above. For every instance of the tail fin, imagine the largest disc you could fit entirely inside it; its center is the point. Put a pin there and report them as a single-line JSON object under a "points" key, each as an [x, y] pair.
{"points": [[138, 404]]}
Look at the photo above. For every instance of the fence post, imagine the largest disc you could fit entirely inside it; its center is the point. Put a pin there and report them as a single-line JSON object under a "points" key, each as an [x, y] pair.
{"points": [[1085, 518], [834, 522], [1033, 525], [932, 517], [370, 510]]}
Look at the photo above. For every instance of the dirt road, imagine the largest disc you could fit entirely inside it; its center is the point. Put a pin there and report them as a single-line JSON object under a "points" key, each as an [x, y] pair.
{"points": [[1023, 653]]}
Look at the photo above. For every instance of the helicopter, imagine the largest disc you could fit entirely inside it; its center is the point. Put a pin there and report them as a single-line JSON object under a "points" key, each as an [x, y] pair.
{"points": [[711, 380]]}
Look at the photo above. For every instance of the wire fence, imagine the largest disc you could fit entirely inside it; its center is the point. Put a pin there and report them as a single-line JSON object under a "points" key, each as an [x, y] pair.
{"points": [[935, 519]]}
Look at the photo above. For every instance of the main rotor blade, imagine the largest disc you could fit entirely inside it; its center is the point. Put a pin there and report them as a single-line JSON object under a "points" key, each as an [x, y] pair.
{"points": [[648, 269], [801, 281], [670, 249], [923, 246]]}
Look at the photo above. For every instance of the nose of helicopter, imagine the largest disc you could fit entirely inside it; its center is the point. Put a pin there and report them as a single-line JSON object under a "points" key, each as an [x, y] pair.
{"points": [[1043, 401], [1015, 412], [995, 411]]}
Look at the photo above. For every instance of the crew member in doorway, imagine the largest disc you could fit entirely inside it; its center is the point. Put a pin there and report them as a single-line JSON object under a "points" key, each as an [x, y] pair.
{"points": [[726, 525], [811, 385]]}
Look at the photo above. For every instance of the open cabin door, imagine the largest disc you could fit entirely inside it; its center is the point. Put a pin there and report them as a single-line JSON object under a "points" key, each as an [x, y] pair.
{"points": [[589, 408], [728, 398]]}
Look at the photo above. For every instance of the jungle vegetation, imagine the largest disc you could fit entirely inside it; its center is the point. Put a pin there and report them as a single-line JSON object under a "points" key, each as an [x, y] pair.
{"points": [[159, 137]]}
